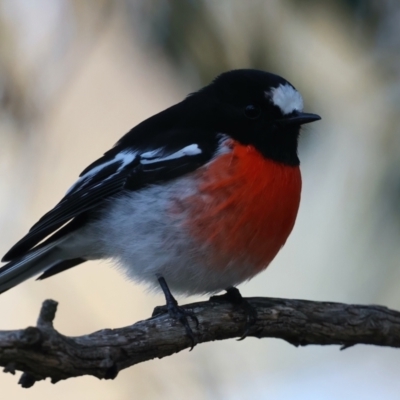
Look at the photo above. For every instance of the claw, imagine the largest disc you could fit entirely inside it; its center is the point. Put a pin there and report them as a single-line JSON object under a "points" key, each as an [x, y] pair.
{"points": [[233, 296], [178, 313]]}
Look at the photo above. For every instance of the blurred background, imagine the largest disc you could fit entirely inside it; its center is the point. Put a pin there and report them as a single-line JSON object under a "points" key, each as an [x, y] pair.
{"points": [[76, 75]]}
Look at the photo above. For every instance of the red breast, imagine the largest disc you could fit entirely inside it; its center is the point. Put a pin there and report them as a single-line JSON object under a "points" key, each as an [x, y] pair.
{"points": [[245, 208]]}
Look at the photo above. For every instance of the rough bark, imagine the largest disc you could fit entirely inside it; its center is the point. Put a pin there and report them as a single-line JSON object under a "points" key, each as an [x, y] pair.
{"points": [[42, 352]]}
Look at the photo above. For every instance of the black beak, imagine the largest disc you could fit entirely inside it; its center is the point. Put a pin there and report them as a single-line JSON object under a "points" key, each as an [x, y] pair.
{"points": [[299, 118]]}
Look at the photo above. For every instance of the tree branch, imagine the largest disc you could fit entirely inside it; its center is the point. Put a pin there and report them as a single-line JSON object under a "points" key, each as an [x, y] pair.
{"points": [[42, 352]]}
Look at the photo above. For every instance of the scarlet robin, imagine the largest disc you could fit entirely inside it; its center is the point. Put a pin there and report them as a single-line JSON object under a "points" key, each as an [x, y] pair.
{"points": [[197, 198]]}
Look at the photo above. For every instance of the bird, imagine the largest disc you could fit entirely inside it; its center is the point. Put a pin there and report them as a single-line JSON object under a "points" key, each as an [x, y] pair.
{"points": [[194, 200]]}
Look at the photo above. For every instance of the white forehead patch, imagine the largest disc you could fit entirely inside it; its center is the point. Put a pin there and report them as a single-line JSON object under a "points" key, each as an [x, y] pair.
{"points": [[286, 98]]}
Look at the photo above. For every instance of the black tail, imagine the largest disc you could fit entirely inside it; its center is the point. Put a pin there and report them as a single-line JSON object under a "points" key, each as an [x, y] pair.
{"points": [[49, 258]]}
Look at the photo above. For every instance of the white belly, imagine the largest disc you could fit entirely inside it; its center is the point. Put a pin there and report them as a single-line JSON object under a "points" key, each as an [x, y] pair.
{"points": [[140, 235]]}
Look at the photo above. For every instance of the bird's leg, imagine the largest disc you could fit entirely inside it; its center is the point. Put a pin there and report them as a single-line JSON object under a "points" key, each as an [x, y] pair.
{"points": [[234, 297], [176, 312]]}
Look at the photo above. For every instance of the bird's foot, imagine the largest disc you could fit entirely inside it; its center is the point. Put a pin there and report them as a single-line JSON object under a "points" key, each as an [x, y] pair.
{"points": [[234, 297], [176, 312]]}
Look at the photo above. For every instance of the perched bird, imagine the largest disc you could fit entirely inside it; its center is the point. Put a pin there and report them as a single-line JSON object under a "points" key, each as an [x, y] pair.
{"points": [[196, 199]]}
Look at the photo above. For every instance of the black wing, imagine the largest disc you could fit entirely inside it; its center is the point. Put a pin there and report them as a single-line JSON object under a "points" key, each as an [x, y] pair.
{"points": [[119, 169], [105, 179]]}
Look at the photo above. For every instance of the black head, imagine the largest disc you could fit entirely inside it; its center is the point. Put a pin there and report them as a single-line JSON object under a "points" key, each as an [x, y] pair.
{"points": [[253, 107]]}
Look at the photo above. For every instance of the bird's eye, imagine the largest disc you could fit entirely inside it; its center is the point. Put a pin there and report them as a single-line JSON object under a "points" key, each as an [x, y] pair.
{"points": [[251, 111]]}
